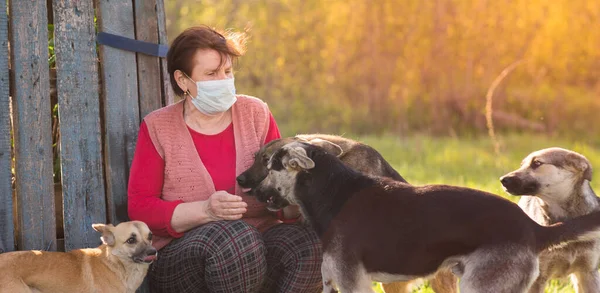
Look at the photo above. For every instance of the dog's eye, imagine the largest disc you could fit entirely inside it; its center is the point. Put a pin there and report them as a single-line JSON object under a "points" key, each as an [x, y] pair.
{"points": [[131, 240], [150, 236], [535, 164]]}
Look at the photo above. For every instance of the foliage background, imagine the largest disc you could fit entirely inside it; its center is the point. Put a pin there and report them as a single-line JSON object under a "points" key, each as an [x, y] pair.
{"points": [[413, 66]]}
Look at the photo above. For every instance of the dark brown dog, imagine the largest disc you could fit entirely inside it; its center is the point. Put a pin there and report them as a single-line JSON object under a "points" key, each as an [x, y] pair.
{"points": [[378, 229], [556, 186], [356, 155]]}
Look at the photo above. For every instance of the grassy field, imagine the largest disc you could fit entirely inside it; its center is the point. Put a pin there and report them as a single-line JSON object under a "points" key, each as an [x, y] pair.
{"points": [[470, 162]]}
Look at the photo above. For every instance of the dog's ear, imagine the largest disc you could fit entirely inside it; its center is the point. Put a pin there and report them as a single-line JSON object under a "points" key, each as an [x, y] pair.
{"points": [[107, 237], [301, 139], [299, 159], [587, 174], [582, 164], [329, 146]]}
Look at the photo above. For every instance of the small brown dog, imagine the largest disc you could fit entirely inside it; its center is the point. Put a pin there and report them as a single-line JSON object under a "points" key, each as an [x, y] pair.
{"points": [[118, 265], [555, 184]]}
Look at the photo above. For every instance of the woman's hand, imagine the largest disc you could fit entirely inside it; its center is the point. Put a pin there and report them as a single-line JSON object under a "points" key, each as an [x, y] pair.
{"points": [[224, 206], [219, 206]]}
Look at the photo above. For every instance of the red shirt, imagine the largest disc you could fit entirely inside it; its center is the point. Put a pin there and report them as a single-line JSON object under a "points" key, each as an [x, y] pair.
{"points": [[217, 153]]}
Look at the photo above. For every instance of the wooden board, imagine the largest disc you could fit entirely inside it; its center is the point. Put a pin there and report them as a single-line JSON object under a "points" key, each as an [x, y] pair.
{"points": [[32, 113], [79, 111], [120, 104], [149, 79], [168, 94], [6, 202]]}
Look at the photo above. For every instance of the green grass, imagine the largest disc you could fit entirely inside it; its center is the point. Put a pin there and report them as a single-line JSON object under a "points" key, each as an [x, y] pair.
{"points": [[471, 163]]}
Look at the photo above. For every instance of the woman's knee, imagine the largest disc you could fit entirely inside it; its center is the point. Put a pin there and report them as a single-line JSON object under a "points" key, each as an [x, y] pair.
{"points": [[237, 258], [294, 258], [219, 256], [234, 237], [294, 241]]}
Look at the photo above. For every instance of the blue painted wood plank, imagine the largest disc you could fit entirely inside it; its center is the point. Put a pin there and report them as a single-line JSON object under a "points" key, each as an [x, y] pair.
{"points": [[148, 67], [79, 112], [6, 202], [120, 100], [33, 142]]}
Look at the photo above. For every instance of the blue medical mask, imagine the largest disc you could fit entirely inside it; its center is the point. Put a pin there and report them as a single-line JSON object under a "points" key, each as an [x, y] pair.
{"points": [[214, 96]]}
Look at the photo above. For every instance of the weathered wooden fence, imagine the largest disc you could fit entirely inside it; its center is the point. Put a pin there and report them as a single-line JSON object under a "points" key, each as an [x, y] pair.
{"points": [[101, 93]]}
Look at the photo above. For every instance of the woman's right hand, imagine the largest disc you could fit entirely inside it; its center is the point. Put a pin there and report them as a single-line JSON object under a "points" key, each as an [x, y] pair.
{"points": [[224, 206]]}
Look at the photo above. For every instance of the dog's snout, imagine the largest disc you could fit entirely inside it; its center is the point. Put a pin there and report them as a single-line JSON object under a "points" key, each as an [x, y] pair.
{"points": [[241, 180], [147, 255], [519, 184], [151, 251], [510, 181]]}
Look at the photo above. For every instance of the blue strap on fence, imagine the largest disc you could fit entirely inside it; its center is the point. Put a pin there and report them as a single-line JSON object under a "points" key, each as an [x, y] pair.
{"points": [[128, 44]]}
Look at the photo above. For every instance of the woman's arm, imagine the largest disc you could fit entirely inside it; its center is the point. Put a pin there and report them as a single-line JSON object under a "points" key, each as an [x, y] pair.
{"points": [[170, 218], [273, 132], [145, 188]]}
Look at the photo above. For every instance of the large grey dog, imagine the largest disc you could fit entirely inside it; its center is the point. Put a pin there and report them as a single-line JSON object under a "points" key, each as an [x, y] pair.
{"points": [[556, 185], [358, 156]]}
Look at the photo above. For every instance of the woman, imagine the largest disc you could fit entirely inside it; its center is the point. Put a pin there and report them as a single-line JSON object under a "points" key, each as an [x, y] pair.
{"points": [[210, 235]]}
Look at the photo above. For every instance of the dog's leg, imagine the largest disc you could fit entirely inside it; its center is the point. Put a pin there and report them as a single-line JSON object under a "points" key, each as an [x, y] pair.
{"points": [[444, 282], [328, 273], [349, 278], [328, 286], [359, 283], [586, 282], [397, 287], [503, 269]]}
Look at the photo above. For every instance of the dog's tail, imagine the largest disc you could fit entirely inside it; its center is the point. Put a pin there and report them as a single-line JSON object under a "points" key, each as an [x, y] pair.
{"points": [[584, 228]]}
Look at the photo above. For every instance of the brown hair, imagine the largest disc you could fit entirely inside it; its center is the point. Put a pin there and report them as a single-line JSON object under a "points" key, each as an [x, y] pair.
{"points": [[230, 44]]}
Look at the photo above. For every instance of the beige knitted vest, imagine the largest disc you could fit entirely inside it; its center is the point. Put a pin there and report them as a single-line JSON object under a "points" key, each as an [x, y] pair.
{"points": [[185, 176]]}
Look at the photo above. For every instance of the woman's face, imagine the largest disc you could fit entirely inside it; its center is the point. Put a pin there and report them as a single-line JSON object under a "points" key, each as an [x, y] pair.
{"points": [[205, 67]]}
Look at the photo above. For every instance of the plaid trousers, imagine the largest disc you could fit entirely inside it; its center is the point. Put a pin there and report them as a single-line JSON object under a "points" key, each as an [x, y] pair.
{"points": [[232, 256]]}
